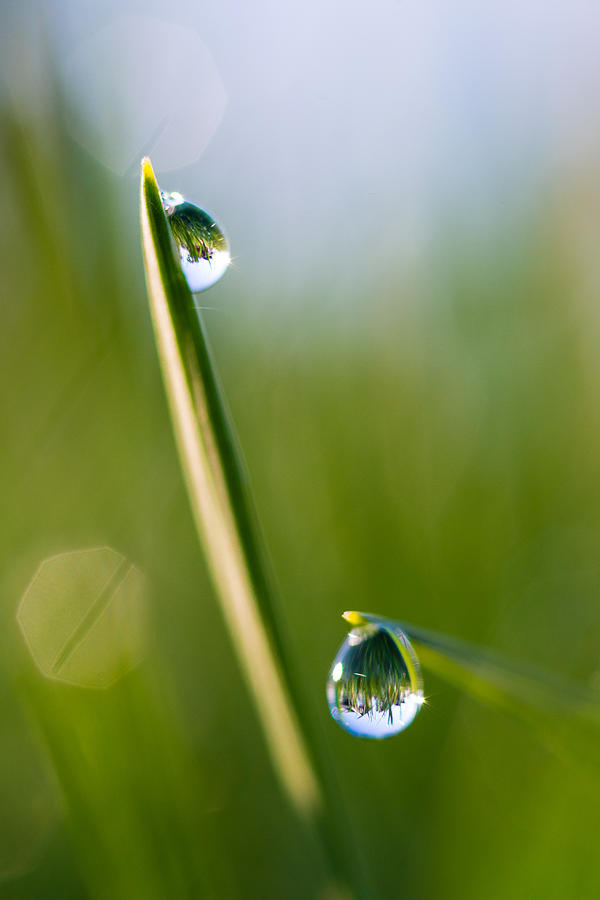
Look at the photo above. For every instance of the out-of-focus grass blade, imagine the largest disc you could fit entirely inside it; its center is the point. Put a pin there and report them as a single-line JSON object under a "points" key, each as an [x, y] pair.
{"points": [[226, 524], [564, 713], [493, 677]]}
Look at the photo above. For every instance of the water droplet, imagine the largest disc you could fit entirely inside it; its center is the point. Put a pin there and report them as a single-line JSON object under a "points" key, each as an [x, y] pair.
{"points": [[374, 688], [202, 246]]}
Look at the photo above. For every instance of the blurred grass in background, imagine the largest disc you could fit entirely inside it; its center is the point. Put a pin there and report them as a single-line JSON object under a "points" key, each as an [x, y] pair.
{"points": [[429, 450]]}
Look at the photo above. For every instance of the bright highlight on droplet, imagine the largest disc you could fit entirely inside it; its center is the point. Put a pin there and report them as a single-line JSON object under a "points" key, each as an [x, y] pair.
{"points": [[374, 688], [202, 246], [336, 672]]}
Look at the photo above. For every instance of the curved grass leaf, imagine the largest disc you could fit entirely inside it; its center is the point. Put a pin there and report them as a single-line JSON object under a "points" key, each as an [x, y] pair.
{"points": [[218, 493], [564, 714], [227, 527]]}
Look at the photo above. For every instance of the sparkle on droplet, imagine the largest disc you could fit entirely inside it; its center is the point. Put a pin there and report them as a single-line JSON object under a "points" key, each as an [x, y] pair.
{"points": [[336, 673], [201, 244], [374, 688]]}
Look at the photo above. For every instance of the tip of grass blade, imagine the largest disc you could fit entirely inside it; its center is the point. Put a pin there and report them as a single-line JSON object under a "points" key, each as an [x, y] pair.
{"points": [[149, 183], [354, 618], [161, 259], [147, 170]]}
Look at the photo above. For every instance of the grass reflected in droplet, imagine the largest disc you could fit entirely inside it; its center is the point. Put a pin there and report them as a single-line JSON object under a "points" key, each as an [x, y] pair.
{"points": [[202, 246], [374, 688]]}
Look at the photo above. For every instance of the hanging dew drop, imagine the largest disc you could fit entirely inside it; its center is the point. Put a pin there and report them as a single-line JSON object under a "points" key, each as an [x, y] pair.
{"points": [[374, 688], [202, 246]]}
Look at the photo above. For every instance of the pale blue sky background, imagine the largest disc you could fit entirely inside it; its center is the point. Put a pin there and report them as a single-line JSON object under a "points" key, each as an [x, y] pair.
{"points": [[330, 136]]}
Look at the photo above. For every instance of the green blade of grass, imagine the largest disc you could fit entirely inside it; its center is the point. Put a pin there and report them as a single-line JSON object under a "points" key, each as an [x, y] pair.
{"points": [[487, 673], [495, 679], [217, 492], [227, 527], [564, 714]]}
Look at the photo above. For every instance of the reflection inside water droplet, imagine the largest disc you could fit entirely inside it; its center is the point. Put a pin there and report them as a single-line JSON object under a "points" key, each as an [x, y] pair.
{"points": [[374, 688], [202, 246]]}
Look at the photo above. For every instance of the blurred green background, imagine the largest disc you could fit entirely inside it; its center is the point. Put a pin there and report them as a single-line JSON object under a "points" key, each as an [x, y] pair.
{"points": [[408, 339]]}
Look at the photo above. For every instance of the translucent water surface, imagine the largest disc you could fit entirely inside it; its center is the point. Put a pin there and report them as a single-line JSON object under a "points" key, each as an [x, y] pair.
{"points": [[374, 688], [202, 246]]}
